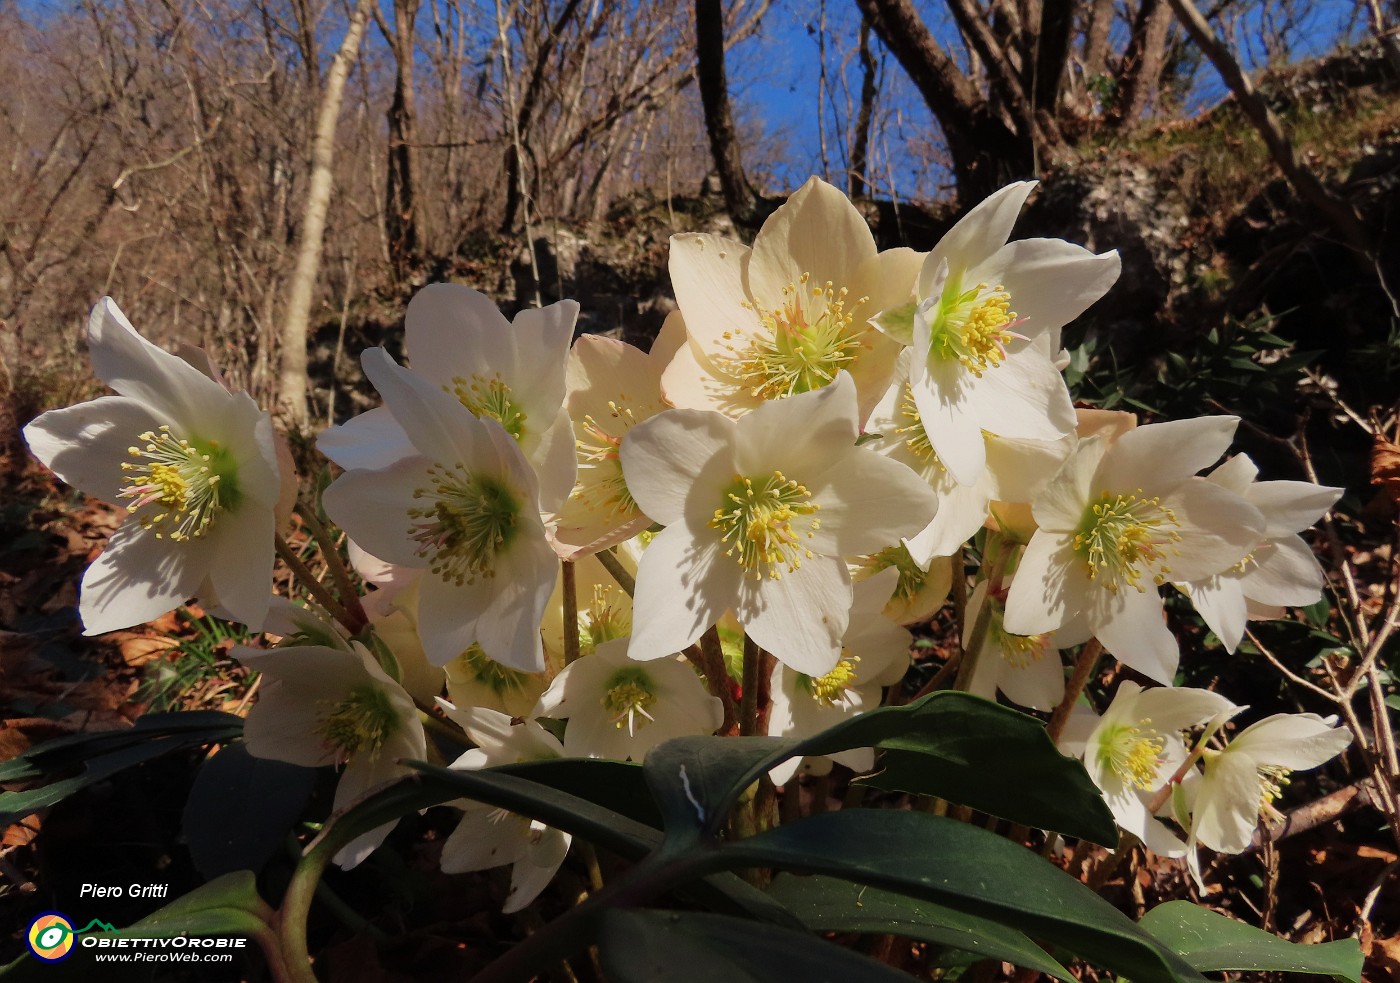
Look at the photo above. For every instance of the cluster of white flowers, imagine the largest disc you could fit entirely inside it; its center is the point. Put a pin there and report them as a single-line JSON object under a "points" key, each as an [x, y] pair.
{"points": [[803, 457]]}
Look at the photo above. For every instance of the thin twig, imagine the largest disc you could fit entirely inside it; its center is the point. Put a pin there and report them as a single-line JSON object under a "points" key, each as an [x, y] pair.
{"points": [[1084, 668], [569, 576], [313, 586], [617, 571], [340, 573]]}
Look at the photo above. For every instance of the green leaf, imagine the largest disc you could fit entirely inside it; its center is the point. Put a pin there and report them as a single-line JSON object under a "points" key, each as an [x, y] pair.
{"points": [[241, 808], [615, 785], [63, 753], [969, 750], [953, 745], [963, 866], [1212, 942], [1318, 612], [642, 946], [227, 905], [562, 810], [695, 780], [1393, 701], [572, 813], [828, 904]]}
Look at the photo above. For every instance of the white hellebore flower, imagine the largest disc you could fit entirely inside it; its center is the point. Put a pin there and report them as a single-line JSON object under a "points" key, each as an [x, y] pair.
{"points": [[466, 507], [1242, 781], [787, 315], [1117, 521], [620, 708], [329, 706], [759, 515], [510, 372], [985, 332], [1016, 471], [195, 465], [489, 837], [1281, 571], [612, 387], [1026, 668], [874, 654], [919, 591], [1136, 747]]}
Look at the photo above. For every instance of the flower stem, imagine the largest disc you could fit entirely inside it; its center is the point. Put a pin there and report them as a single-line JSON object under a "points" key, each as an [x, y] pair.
{"points": [[330, 552], [748, 701], [619, 573], [569, 579], [1084, 668], [994, 560], [708, 656], [313, 586]]}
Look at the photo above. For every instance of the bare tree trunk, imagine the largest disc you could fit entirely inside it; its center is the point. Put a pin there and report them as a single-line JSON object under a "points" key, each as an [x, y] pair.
{"points": [[860, 149], [291, 380], [739, 197], [1337, 212], [1142, 62], [1051, 53], [400, 206], [986, 153], [1095, 52]]}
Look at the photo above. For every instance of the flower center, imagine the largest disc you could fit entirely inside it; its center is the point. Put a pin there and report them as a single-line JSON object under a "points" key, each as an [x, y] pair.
{"points": [[757, 523], [469, 520], [600, 479], [628, 696], [359, 723], [971, 327], [1121, 537], [830, 689], [1019, 651], [186, 483], [490, 398], [911, 578], [476, 665], [1133, 753], [914, 434], [798, 347], [1273, 779], [602, 621]]}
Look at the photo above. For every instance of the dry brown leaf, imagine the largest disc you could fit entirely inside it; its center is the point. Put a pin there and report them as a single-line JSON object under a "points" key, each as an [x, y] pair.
{"points": [[1385, 468], [1385, 959]]}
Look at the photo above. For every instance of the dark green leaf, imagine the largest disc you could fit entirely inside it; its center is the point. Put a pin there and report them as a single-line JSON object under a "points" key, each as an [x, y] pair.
{"points": [[950, 744], [963, 866], [63, 753], [829, 904], [241, 809], [615, 785], [640, 946], [1212, 942], [695, 780]]}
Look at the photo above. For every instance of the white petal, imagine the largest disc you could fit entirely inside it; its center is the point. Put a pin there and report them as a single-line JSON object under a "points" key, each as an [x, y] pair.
{"points": [[1040, 684], [1287, 574], [1227, 804], [684, 585], [978, 234], [533, 872], [949, 418], [1217, 529], [1025, 396], [1049, 587], [484, 839], [86, 445], [1290, 740], [1159, 455], [136, 368], [675, 459], [1131, 628], [707, 274], [372, 507], [1291, 506], [800, 619], [799, 434], [373, 439], [1220, 603], [451, 329], [242, 542], [1051, 282], [868, 502], [817, 231], [139, 577]]}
